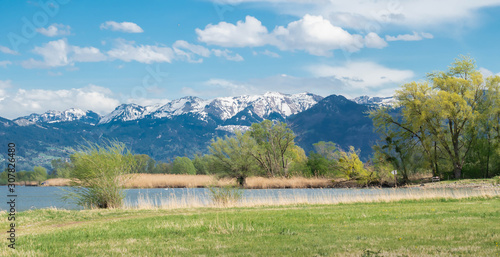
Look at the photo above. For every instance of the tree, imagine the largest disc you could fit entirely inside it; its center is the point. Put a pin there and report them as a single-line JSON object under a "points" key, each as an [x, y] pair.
{"points": [[350, 164], [274, 140], [232, 156], [201, 164], [443, 113], [99, 173], [39, 173], [324, 160], [183, 165], [60, 168]]}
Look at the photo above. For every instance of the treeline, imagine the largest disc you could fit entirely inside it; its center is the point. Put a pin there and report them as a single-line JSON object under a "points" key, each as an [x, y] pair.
{"points": [[267, 149], [448, 125], [38, 174]]}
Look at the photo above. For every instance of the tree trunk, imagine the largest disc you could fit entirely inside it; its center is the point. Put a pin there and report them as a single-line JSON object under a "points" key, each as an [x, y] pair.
{"points": [[458, 171]]}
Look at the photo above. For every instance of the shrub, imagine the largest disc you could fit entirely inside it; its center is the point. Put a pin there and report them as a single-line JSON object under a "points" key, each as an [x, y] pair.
{"points": [[99, 173], [183, 165]]}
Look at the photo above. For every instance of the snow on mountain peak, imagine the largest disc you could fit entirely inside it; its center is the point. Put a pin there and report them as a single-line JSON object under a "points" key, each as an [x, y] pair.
{"points": [[72, 114]]}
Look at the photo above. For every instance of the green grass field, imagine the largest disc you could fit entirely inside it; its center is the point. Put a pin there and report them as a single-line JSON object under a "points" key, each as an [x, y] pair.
{"points": [[466, 227]]}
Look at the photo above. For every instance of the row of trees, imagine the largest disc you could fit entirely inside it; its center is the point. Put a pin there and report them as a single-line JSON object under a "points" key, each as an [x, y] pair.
{"points": [[38, 174], [449, 124]]}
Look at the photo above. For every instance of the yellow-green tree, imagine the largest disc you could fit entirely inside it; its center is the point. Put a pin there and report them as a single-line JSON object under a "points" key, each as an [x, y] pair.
{"points": [[443, 113]]}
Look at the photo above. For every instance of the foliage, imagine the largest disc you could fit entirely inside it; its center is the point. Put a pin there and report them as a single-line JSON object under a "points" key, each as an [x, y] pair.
{"points": [[275, 142], [99, 173], [232, 157], [443, 119], [183, 165], [60, 168], [201, 164], [351, 166]]}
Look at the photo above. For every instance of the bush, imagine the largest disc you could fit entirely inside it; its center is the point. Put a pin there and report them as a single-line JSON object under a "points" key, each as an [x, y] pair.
{"points": [[183, 165], [99, 174]]}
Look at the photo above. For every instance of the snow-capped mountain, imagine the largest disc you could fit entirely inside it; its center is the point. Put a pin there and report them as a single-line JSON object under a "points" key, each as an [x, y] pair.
{"points": [[222, 108], [374, 100], [72, 114]]}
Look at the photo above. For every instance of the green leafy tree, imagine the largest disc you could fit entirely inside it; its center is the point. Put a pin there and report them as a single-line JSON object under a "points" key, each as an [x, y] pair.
{"points": [[201, 164], [274, 140], [39, 174], [350, 164], [183, 165], [99, 174], [444, 113], [232, 157], [60, 168]]}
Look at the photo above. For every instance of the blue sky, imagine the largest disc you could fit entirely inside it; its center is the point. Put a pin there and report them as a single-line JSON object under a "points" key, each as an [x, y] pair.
{"points": [[95, 55]]}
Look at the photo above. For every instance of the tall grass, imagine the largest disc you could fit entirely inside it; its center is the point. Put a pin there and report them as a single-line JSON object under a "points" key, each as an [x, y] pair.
{"points": [[191, 200], [193, 181]]}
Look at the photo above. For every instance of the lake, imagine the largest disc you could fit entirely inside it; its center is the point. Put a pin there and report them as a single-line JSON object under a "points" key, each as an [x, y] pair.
{"points": [[45, 197]]}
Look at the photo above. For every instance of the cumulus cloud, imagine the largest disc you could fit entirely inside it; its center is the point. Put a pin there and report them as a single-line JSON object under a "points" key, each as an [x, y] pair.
{"points": [[55, 30], [59, 53], [128, 27], [361, 14], [313, 34], [23, 102], [128, 51], [7, 50], [410, 37], [362, 75], [245, 33]]}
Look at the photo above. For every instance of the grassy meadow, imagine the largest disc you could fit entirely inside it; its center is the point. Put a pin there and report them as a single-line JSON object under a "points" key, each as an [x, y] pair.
{"points": [[432, 227]]}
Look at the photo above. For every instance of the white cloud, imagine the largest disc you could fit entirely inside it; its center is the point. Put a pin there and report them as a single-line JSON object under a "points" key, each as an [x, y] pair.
{"points": [[370, 15], [268, 53], [363, 75], [128, 27], [25, 101], [4, 84], [245, 33], [185, 50], [7, 50], [313, 34], [410, 37], [5, 63], [227, 55], [148, 101], [127, 51], [59, 53], [372, 40], [87, 54], [55, 30]]}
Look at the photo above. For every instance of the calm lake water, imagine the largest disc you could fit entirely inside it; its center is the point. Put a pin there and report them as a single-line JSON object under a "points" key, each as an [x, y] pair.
{"points": [[45, 197]]}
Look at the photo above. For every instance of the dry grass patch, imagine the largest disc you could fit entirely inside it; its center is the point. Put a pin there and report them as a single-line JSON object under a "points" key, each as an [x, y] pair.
{"points": [[294, 182]]}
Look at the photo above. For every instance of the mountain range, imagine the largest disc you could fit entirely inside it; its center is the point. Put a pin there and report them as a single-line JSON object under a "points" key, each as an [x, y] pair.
{"points": [[185, 126]]}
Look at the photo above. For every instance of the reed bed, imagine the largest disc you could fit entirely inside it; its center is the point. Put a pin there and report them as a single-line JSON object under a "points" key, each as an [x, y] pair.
{"points": [[193, 181], [192, 200], [294, 182]]}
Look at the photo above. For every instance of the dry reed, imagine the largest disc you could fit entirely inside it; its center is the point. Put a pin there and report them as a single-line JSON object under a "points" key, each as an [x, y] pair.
{"points": [[192, 200], [192, 181]]}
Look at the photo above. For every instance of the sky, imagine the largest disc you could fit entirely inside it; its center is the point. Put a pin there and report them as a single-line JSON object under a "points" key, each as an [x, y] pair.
{"points": [[95, 55]]}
